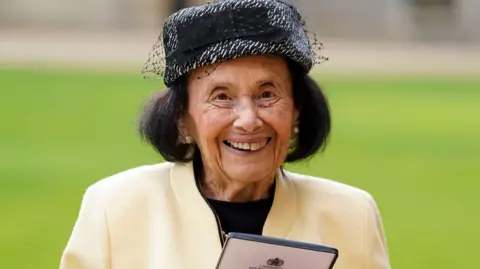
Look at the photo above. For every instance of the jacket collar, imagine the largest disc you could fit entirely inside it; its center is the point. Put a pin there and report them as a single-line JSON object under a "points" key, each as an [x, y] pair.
{"points": [[196, 210]]}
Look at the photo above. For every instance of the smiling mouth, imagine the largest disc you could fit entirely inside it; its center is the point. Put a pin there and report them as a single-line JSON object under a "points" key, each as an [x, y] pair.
{"points": [[247, 146]]}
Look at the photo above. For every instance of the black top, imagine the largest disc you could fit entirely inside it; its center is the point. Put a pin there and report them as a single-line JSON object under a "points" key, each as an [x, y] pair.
{"points": [[246, 217]]}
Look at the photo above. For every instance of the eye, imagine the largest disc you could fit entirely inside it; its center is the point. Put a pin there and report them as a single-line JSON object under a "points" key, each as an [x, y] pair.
{"points": [[267, 94], [221, 97]]}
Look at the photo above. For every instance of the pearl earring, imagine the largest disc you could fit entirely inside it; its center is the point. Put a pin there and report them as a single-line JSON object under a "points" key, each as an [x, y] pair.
{"points": [[295, 130], [188, 140], [293, 139]]}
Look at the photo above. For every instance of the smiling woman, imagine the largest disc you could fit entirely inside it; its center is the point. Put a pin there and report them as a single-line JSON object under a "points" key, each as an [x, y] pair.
{"points": [[243, 120], [239, 103]]}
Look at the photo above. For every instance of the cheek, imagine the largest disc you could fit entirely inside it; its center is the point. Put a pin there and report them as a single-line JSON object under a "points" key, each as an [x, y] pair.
{"points": [[209, 123], [280, 119]]}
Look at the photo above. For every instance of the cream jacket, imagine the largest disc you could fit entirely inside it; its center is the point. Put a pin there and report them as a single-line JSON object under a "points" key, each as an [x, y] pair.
{"points": [[154, 217]]}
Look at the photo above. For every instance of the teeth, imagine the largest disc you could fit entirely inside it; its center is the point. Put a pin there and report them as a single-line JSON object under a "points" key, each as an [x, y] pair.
{"points": [[248, 146]]}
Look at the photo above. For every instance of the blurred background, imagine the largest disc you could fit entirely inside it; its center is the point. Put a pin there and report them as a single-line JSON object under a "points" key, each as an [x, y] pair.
{"points": [[403, 82]]}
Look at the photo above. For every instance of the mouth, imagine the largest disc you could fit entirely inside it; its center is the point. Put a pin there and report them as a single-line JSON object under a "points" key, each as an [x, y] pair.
{"points": [[248, 147]]}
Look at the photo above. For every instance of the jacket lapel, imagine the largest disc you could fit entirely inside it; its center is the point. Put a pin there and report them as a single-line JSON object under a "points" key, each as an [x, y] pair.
{"points": [[280, 220], [197, 220]]}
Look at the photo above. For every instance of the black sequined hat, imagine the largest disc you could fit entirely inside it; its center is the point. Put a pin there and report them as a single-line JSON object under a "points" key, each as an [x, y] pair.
{"points": [[227, 29]]}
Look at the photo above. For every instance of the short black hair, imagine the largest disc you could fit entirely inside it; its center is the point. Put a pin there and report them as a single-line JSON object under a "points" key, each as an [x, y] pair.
{"points": [[158, 123]]}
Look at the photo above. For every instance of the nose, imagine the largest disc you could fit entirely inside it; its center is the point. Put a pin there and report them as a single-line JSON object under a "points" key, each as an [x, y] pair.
{"points": [[247, 119]]}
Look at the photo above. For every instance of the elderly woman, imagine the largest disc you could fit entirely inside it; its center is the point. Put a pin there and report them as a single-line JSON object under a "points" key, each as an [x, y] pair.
{"points": [[239, 104]]}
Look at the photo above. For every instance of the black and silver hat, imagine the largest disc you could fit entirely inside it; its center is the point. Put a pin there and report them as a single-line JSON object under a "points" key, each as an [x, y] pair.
{"points": [[227, 29]]}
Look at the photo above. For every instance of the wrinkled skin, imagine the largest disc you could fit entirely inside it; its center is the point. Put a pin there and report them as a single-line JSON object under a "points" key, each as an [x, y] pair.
{"points": [[244, 103]]}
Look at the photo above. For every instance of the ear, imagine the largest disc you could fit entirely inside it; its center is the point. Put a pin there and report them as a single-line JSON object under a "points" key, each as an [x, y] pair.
{"points": [[182, 128]]}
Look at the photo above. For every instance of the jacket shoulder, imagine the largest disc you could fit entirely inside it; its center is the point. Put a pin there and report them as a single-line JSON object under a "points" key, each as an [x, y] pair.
{"points": [[318, 185], [330, 196], [137, 180]]}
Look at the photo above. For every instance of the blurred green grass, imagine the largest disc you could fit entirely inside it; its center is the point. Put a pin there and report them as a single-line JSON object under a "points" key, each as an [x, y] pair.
{"points": [[414, 143]]}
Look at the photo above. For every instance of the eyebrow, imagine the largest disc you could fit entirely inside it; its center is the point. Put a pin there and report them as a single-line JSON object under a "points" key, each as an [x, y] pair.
{"points": [[220, 83], [223, 85], [265, 81]]}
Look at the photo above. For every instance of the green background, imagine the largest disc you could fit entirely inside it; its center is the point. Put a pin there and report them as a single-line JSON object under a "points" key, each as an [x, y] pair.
{"points": [[413, 142]]}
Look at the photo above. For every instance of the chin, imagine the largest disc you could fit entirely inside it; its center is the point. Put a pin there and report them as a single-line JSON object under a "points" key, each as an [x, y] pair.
{"points": [[249, 172]]}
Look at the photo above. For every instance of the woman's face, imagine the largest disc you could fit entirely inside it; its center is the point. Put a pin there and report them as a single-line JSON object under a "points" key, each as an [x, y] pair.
{"points": [[241, 117]]}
